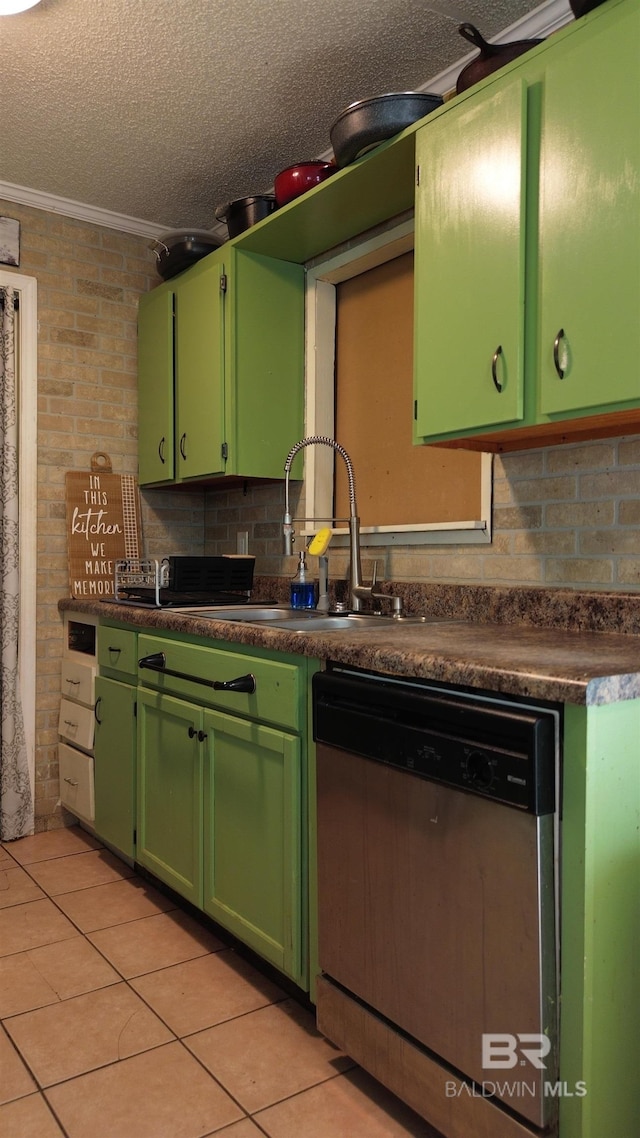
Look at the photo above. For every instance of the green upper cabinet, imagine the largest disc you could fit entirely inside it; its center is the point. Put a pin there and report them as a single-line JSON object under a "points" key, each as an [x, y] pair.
{"points": [[229, 334], [469, 277], [199, 363], [155, 386], [528, 244], [590, 220]]}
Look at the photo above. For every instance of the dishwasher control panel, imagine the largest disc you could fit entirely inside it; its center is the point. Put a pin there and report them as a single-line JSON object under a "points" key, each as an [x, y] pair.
{"points": [[490, 748]]}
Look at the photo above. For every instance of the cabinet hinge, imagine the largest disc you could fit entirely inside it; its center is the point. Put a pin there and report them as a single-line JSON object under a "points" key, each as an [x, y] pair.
{"points": [[223, 282], [224, 451], [417, 175]]}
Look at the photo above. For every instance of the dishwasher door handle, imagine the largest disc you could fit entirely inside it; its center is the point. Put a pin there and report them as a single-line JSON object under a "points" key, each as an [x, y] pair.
{"points": [[156, 662]]}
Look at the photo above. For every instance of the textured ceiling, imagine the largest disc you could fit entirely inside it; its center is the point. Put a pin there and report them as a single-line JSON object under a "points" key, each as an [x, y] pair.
{"points": [[163, 109]]}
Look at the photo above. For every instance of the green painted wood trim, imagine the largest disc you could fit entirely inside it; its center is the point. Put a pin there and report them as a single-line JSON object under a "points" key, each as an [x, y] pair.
{"points": [[279, 694], [600, 921]]}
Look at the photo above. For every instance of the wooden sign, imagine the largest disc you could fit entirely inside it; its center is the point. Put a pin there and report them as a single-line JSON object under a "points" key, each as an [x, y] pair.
{"points": [[103, 525]]}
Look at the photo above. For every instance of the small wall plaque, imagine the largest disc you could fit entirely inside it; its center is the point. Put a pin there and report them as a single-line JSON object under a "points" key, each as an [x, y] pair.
{"points": [[9, 241]]}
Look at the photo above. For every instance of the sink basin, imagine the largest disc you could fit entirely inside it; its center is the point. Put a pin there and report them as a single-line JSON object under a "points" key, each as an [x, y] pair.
{"points": [[302, 620]]}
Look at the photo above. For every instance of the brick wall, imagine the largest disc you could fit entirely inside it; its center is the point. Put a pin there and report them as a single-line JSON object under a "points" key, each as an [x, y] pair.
{"points": [[89, 279], [562, 516]]}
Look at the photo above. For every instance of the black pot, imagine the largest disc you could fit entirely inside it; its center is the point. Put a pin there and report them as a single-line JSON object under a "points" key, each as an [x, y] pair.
{"points": [[242, 213], [492, 56], [581, 7], [178, 250], [368, 122]]}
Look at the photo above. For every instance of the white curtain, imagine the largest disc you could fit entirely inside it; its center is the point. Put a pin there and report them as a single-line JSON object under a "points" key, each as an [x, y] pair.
{"points": [[16, 804]]}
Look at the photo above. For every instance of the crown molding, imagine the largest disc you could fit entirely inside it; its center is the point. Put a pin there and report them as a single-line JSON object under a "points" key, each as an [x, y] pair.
{"points": [[22, 195], [547, 18]]}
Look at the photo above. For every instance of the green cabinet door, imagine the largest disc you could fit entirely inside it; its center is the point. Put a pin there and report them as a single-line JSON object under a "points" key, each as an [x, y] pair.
{"points": [[265, 364], [470, 266], [155, 386], [253, 838], [200, 370], [590, 218], [169, 806], [114, 752]]}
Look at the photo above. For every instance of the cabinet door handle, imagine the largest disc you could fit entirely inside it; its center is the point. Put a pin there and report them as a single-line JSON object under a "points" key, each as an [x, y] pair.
{"points": [[95, 710], [183, 446], [494, 368], [202, 735], [556, 354], [74, 683], [70, 723], [71, 781], [156, 662], [161, 450], [116, 650]]}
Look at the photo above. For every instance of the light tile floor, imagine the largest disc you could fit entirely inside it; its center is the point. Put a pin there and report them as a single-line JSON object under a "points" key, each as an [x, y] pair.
{"points": [[123, 1017]]}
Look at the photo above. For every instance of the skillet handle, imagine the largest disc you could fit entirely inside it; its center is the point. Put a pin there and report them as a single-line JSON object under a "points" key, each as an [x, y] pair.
{"points": [[471, 33]]}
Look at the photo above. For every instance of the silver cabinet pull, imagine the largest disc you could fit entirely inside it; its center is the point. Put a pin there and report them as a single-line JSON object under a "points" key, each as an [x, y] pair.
{"points": [[156, 662], [494, 368], [556, 354]]}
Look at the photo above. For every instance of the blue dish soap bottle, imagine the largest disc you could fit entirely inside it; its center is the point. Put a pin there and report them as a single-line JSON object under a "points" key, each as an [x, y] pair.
{"points": [[302, 592]]}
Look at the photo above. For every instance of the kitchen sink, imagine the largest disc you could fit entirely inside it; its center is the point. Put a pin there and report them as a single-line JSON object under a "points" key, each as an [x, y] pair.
{"points": [[303, 620]]}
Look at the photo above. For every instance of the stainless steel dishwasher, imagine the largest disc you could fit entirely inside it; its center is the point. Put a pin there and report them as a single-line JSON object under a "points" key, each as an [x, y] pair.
{"points": [[437, 905]]}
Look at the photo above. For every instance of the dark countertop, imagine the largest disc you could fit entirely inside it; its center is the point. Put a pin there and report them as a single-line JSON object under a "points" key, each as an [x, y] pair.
{"points": [[551, 663]]}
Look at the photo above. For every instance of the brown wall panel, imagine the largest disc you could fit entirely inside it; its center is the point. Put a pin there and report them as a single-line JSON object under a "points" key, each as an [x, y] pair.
{"points": [[396, 483]]}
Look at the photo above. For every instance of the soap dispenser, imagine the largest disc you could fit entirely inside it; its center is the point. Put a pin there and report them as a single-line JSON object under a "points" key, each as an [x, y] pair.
{"points": [[302, 591]]}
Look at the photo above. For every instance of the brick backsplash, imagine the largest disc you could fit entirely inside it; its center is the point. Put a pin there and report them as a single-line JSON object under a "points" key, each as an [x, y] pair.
{"points": [[562, 516], [566, 515]]}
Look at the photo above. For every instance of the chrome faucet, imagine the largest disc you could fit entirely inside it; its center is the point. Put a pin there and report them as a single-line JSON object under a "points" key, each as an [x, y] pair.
{"points": [[359, 591]]}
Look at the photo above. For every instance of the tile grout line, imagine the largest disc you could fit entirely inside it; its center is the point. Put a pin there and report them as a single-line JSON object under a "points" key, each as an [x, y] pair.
{"points": [[177, 1039]]}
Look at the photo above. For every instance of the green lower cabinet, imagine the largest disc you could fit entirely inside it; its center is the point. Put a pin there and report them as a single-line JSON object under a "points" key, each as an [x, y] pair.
{"points": [[253, 838], [115, 764], [169, 812]]}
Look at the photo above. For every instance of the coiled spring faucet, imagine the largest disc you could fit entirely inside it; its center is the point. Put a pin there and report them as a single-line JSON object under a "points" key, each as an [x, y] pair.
{"points": [[359, 591], [355, 566]]}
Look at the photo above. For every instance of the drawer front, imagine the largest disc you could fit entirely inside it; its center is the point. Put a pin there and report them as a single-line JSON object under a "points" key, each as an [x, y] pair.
{"points": [[278, 697], [117, 650], [76, 782], [76, 724], [78, 681]]}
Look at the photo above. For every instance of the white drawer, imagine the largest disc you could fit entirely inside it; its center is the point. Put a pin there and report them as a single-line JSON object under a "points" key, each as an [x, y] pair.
{"points": [[76, 782], [78, 681], [77, 724]]}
